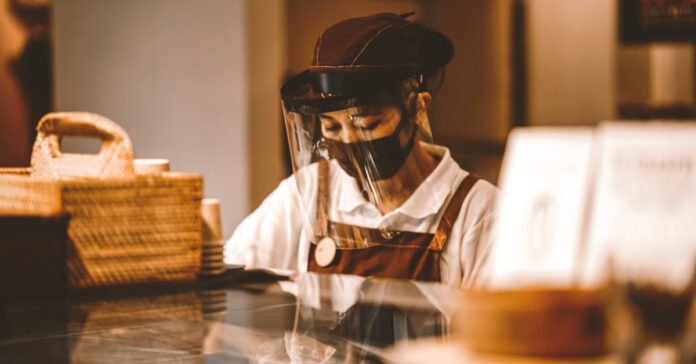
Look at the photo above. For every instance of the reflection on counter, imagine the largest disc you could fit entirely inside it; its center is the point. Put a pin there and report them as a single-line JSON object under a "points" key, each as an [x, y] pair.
{"points": [[238, 317], [148, 329], [195, 323]]}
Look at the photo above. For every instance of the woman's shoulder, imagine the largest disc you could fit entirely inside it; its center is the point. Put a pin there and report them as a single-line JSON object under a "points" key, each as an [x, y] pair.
{"points": [[485, 189], [482, 197]]}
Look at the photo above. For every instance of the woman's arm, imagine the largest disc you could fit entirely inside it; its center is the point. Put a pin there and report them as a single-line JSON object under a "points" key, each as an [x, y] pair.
{"points": [[478, 238], [269, 237]]}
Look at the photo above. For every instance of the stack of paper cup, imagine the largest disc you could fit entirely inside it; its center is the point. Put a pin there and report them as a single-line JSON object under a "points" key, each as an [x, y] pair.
{"points": [[211, 252], [150, 166]]}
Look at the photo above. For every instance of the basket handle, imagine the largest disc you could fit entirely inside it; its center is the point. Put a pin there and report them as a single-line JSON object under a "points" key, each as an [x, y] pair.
{"points": [[114, 160]]}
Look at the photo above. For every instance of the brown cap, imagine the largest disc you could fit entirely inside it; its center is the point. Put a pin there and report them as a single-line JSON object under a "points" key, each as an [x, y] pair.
{"points": [[381, 42], [358, 57]]}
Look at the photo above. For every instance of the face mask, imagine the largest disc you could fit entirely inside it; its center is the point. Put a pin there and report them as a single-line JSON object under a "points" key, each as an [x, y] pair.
{"points": [[378, 159]]}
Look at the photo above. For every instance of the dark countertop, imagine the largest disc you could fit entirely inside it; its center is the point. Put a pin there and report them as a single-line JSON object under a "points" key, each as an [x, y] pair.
{"points": [[165, 323], [238, 317]]}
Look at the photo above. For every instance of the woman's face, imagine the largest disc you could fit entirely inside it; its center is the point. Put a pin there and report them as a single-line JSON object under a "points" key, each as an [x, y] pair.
{"points": [[359, 124]]}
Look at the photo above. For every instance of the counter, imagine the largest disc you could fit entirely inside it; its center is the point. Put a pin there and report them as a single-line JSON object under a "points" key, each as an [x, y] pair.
{"points": [[245, 316]]}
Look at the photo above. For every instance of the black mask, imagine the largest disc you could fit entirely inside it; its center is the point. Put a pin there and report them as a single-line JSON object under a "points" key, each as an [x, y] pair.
{"points": [[378, 159]]}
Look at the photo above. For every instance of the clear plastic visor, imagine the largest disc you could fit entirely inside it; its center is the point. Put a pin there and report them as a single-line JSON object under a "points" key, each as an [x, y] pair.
{"points": [[345, 158]]}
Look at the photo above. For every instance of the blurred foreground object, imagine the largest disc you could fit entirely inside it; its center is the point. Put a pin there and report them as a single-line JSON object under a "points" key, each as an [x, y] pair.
{"points": [[537, 322], [644, 205], [544, 190], [642, 233], [584, 212], [26, 81], [582, 208], [14, 139], [533, 306], [124, 228]]}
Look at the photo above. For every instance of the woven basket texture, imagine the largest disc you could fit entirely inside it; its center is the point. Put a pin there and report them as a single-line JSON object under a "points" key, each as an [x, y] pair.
{"points": [[124, 228]]}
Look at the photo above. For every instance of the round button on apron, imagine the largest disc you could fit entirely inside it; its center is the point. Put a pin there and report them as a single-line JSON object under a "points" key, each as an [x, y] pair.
{"points": [[325, 252]]}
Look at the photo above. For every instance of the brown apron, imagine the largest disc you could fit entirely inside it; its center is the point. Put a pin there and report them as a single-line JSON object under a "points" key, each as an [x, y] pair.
{"points": [[376, 253]]}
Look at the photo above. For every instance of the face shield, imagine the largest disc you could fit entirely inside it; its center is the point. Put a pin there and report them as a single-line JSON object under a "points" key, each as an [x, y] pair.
{"points": [[362, 141]]}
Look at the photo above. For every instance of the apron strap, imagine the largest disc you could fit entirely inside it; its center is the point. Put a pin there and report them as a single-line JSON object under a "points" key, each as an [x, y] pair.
{"points": [[451, 212], [321, 227]]}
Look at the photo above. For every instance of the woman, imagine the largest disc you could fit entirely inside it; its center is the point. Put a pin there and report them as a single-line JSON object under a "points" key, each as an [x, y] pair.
{"points": [[371, 195]]}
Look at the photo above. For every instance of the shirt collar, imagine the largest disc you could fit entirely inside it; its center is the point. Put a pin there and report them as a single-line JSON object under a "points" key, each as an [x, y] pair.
{"points": [[427, 199]]}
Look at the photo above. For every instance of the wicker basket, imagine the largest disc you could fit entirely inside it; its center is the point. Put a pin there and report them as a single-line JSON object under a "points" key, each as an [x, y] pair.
{"points": [[124, 228]]}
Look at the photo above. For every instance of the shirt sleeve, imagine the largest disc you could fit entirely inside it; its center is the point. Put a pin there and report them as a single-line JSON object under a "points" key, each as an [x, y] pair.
{"points": [[478, 238], [269, 237]]}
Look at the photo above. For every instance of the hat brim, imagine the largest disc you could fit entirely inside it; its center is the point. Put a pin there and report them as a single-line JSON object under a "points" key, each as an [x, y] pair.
{"points": [[317, 92]]}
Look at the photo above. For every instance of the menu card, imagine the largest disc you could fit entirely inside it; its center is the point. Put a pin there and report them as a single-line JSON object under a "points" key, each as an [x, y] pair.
{"points": [[541, 210], [643, 226]]}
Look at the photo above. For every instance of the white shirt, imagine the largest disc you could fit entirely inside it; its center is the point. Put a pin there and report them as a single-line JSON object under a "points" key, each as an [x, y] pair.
{"points": [[277, 236]]}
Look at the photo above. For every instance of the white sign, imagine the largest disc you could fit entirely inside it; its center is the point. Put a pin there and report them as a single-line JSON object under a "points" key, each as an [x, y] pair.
{"points": [[541, 210], [644, 217]]}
